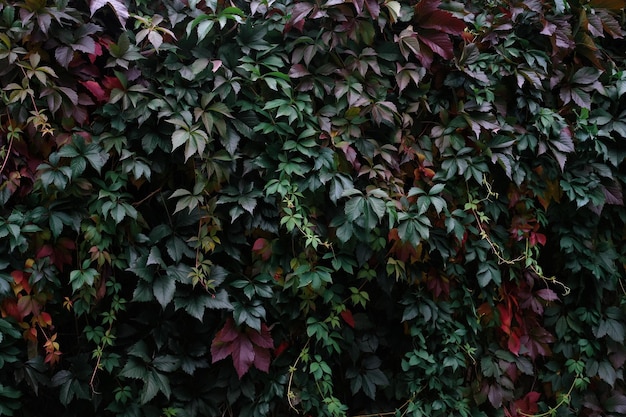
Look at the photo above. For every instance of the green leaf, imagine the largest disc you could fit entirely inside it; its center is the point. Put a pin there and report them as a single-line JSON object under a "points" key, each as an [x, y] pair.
{"points": [[154, 383], [134, 368], [80, 278], [488, 273], [612, 328], [163, 288]]}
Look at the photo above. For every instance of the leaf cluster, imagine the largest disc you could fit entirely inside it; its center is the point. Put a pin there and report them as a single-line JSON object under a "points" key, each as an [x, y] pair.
{"points": [[334, 208]]}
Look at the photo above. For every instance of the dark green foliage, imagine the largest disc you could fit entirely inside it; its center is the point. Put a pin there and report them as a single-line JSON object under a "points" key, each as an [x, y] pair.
{"points": [[337, 208]]}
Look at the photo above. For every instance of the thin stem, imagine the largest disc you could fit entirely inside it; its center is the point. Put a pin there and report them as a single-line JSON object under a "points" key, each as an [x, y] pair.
{"points": [[292, 370], [564, 400], [11, 137]]}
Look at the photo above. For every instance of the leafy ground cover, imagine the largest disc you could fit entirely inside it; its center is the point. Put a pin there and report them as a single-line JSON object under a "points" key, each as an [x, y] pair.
{"points": [[330, 208]]}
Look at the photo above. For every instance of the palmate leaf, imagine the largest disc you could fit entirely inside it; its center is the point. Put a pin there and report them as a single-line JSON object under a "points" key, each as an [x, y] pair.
{"points": [[154, 383], [615, 404], [193, 137], [118, 6], [430, 16], [434, 28], [80, 152], [163, 288], [245, 346], [196, 305]]}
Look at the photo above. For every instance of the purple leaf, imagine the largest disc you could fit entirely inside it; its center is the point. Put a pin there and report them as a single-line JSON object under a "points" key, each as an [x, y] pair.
{"points": [[262, 359], [242, 354], [120, 9], [616, 404], [547, 294]]}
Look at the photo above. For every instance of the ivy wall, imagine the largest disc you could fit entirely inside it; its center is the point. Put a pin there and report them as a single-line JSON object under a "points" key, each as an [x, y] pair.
{"points": [[329, 208]]}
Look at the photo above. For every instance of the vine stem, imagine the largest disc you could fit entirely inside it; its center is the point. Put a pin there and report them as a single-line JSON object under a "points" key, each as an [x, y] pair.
{"points": [[6, 158], [392, 413], [146, 198], [533, 266], [292, 370], [564, 399], [93, 375]]}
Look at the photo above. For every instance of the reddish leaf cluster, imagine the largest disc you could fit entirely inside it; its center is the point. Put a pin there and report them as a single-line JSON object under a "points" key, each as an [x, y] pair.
{"points": [[519, 313], [246, 347]]}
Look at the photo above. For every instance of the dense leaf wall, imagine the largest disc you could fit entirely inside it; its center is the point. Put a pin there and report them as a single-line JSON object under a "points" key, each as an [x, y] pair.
{"points": [[281, 207]]}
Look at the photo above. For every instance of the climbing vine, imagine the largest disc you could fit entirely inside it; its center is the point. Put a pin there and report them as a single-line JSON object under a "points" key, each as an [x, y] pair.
{"points": [[340, 208]]}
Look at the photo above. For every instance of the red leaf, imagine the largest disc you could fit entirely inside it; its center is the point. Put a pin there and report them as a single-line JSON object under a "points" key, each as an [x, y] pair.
{"points": [[514, 342], [9, 308], [505, 318], [21, 280], [60, 254], [281, 348], [111, 83], [96, 90], [44, 252], [97, 51], [537, 238], [46, 318], [443, 21], [528, 404], [425, 8], [439, 43], [26, 305], [263, 248], [346, 315]]}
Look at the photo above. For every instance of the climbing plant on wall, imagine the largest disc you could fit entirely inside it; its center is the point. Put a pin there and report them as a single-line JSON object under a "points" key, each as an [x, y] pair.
{"points": [[332, 208]]}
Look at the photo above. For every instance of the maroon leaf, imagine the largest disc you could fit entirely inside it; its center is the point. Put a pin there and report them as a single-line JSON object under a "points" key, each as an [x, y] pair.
{"points": [[439, 43], [221, 347], [514, 343], [425, 8], [262, 359], [547, 294], [298, 15], [346, 315], [443, 21], [429, 16], [263, 248], [298, 71], [261, 339], [527, 405], [246, 347], [96, 90], [243, 354]]}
